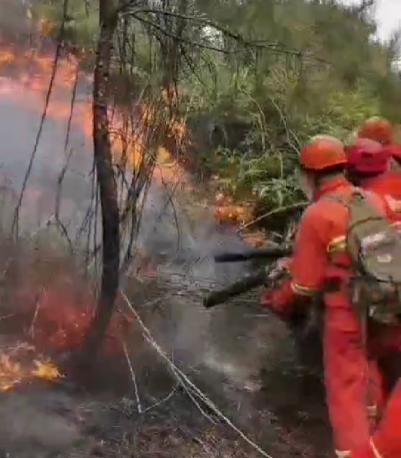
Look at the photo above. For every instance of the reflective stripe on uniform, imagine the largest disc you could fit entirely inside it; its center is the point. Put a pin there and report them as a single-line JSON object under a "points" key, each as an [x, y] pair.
{"points": [[372, 411], [343, 453], [337, 244], [302, 290], [375, 451]]}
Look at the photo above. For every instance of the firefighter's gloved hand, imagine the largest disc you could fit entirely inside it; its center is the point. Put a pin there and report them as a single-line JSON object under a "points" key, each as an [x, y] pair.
{"points": [[279, 272], [273, 298], [295, 318]]}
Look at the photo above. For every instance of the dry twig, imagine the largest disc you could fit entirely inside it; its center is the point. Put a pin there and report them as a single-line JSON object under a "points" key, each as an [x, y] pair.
{"points": [[35, 315], [186, 383], [133, 376]]}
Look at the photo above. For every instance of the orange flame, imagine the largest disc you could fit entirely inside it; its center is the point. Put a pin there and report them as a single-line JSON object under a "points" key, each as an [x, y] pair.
{"points": [[32, 70], [61, 323], [13, 373], [25, 76]]}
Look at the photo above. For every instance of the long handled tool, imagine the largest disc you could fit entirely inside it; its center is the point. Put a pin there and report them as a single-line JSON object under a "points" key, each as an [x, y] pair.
{"points": [[239, 287], [250, 281]]}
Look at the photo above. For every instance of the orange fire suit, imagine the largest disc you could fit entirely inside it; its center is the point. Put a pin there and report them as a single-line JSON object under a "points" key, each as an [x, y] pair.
{"points": [[320, 260], [386, 441], [387, 185]]}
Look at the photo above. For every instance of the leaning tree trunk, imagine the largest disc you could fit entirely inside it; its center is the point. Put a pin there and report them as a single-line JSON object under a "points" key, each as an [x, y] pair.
{"points": [[106, 182]]}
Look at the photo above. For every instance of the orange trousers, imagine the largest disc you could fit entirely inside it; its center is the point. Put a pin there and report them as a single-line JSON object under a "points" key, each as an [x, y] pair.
{"points": [[386, 441], [350, 369]]}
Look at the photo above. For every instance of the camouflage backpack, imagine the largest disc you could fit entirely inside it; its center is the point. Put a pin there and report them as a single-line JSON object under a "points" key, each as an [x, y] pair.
{"points": [[374, 247]]}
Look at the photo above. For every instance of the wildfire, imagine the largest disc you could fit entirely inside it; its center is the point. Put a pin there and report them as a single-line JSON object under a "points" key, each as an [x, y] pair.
{"points": [[12, 373], [226, 210], [25, 76], [32, 71], [59, 322]]}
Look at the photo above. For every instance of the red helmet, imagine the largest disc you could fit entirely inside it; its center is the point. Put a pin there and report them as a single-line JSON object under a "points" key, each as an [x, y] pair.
{"points": [[377, 129], [322, 152], [367, 156]]}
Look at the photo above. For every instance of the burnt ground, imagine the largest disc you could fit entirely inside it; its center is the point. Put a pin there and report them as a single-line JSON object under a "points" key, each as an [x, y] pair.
{"points": [[277, 405], [58, 420], [50, 422], [43, 420]]}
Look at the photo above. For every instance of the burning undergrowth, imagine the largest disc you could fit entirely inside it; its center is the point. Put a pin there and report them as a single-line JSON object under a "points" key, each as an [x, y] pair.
{"points": [[46, 306], [144, 403]]}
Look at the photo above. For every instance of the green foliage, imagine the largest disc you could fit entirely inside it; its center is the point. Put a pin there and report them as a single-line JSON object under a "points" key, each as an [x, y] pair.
{"points": [[340, 77]]}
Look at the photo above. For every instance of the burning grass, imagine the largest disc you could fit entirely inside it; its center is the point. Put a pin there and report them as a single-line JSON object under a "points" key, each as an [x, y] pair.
{"points": [[46, 304], [162, 413], [13, 373], [52, 307]]}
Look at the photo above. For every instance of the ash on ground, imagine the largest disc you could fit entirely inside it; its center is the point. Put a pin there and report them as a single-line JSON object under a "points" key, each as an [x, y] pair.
{"points": [[48, 421], [138, 403], [142, 408]]}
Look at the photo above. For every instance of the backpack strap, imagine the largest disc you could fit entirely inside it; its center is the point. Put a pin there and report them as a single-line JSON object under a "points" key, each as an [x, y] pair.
{"points": [[344, 199], [360, 203]]}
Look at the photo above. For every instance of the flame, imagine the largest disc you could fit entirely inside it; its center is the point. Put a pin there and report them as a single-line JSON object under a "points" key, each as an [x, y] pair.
{"points": [[31, 70], [59, 323], [25, 76], [12, 373], [227, 210], [46, 370], [62, 316]]}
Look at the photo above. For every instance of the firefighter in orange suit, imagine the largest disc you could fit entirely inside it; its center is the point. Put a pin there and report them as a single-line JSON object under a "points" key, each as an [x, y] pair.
{"points": [[381, 130], [386, 441], [368, 164], [367, 167], [321, 265]]}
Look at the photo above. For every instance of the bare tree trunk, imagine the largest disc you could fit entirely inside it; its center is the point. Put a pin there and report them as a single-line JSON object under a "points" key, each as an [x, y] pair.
{"points": [[106, 182]]}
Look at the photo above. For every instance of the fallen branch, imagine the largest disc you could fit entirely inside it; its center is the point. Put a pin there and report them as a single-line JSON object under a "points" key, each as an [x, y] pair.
{"points": [[276, 211]]}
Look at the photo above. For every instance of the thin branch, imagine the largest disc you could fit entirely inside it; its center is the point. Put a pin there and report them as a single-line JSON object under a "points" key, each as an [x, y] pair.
{"points": [[186, 383], [207, 22], [177, 38], [133, 377], [15, 228]]}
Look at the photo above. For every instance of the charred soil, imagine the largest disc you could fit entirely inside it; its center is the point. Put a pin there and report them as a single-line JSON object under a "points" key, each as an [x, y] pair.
{"points": [[139, 404]]}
